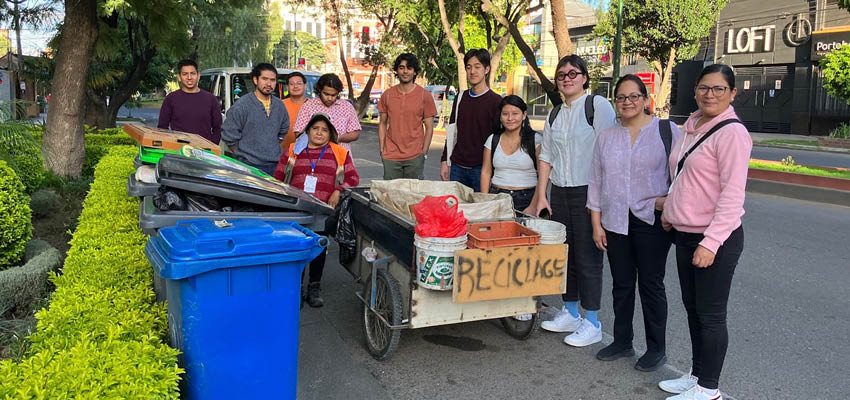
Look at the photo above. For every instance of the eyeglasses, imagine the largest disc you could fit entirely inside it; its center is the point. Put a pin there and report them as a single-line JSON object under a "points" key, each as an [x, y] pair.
{"points": [[572, 75], [718, 91], [296, 84], [632, 98]]}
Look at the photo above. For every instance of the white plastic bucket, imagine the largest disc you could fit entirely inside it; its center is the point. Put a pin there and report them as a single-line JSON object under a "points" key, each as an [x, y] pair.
{"points": [[551, 232], [435, 260]]}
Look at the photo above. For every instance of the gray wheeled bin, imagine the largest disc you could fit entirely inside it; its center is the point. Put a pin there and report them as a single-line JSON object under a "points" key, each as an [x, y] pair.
{"points": [[278, 201], [135, 188]]}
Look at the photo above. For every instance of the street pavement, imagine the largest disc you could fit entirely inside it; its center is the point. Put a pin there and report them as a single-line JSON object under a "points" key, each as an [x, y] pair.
{"points": [[803, 157], [789, 315]]}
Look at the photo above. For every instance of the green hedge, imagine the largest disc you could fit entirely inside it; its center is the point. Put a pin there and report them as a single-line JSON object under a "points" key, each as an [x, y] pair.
{"points": [[15, 217], [97, 144], [22, 153], [103, 335]]}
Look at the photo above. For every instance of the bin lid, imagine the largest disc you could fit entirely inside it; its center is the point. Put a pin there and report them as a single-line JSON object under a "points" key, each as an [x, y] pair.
{"points": [[201, 177], [207, 239]]}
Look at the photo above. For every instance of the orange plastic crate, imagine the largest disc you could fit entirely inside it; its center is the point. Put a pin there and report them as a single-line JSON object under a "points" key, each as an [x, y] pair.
{"points": [[485, 235]]}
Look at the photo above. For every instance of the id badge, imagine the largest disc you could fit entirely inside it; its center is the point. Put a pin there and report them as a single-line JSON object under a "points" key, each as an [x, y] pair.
{"points": [[310, 184]]}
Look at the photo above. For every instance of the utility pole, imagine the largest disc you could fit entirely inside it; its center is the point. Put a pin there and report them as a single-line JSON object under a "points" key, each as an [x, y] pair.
{"points": [[17, 68], [618, 42]]}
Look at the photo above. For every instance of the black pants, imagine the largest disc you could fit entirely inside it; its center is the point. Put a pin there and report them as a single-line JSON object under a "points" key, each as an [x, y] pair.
{"points": [[317, 266], [640, 258], [521, 198], [584, 260], [705, 294]]}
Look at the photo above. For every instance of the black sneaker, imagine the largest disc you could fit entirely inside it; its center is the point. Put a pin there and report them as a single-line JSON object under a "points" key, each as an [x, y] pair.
{"points": [[314, 295], [651, 361], [614, 351]]}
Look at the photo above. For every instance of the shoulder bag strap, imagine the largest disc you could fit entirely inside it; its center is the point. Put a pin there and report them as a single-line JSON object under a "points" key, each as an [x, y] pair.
{"points": [[708, 134], [589, 109]]}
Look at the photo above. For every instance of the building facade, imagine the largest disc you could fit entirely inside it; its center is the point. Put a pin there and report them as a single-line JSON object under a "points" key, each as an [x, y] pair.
{"points": [[774, 52]]}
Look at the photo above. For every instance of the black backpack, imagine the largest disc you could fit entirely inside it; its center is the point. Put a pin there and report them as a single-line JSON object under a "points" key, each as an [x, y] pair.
{"points": [[588, 111], [526, 143]]}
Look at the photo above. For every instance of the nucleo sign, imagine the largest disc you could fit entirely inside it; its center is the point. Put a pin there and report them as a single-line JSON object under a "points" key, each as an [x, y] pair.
{"points": [[756, 39]]}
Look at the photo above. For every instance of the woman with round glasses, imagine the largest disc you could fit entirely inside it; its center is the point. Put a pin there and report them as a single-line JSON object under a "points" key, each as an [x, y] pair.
{"points": [[704, 207], [569, 135], [628, 185]]}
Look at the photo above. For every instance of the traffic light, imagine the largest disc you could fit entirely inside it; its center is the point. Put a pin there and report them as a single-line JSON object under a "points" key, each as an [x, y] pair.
{"points": [[364, 35]]}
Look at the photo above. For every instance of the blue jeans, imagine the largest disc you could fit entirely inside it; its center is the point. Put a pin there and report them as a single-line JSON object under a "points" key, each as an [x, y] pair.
{"points": [[468, 176]]}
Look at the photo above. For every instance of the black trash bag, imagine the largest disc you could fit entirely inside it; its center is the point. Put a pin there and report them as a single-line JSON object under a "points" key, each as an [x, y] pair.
{"points": [[201, 202], [167, 199], [345, 235]]}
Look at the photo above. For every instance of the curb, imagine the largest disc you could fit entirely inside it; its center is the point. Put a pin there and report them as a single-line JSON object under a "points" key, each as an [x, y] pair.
{"points": [[799, 192], [804, 147]]}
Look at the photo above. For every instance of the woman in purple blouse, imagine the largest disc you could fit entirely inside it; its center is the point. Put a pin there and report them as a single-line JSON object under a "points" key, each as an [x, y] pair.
{"points": [[628, 184]]}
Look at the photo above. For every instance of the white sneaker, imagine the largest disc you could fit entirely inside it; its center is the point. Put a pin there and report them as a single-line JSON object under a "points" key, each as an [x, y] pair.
{"points": [[523, 317], [586, 335], [679, 385], [563, 322], [698, 393]]}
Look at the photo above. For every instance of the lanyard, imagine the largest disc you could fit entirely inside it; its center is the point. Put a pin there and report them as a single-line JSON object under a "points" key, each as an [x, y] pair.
{"points": [[313, 164]]}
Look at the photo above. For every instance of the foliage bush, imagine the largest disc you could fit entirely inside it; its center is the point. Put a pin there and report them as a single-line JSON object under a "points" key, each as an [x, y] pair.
{"points": [[836, 73], [22, 153], [841, 131], [103, 335], [23, 287], [43, 202], [98, 144], [15, 217]]}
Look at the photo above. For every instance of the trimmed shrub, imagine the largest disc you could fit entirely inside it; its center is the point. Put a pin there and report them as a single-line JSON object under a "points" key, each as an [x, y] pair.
{"points": [[15, 217], [43, 202], [22, 287], [36, 247], [103, 335], [23, 153]]}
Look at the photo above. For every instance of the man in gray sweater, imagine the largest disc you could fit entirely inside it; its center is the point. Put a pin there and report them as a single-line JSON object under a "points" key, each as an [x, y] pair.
{"points": [[257, 123]]}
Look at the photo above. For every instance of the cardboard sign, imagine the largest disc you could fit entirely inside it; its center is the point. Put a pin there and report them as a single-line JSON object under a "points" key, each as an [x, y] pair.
{"points": [[167, 139], [509, 272]]}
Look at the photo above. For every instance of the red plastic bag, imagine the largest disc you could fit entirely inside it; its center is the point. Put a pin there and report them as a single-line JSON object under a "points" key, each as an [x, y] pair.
{"points": [[439, 217]]}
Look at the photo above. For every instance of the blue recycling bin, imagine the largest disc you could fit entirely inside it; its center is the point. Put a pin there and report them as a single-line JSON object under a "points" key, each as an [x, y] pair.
{"points": [[233, 291]]}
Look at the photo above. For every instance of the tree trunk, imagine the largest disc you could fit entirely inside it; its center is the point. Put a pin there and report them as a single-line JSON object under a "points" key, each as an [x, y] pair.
{"points": [[662, 95], [95, 109], [128, 87], [560, 29], [64, 138], [362, 102], [530, 59], [496, 57], [455, 43]]}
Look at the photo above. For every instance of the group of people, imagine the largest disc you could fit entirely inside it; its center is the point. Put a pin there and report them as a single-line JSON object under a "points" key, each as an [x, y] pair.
{"points": [[622, 181], [628, 184]]}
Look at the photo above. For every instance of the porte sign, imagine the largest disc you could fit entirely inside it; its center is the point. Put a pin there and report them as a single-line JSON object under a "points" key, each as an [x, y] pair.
{"points": [[757, 39]]}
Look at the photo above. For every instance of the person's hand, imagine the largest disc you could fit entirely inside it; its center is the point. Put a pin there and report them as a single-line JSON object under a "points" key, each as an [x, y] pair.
{"points": [[334, 199], [665, 224], [542, 204], [444, 171], [600, 238], [703, 257], [530, 210], [659, 203]]}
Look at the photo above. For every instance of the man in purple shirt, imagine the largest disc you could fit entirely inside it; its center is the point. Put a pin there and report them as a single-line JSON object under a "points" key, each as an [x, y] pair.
{"points": [[191, 109]]}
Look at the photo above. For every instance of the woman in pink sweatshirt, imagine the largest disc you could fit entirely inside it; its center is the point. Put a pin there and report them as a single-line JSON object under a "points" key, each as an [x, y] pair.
{"points": [[704, 208]]}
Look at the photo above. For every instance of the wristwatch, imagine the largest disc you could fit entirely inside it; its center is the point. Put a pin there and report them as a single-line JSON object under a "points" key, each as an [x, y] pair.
{"points": [[426, 156]]}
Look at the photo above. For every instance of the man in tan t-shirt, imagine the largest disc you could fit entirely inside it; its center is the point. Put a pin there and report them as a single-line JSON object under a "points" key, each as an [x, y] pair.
{"points": [[407, 122]]}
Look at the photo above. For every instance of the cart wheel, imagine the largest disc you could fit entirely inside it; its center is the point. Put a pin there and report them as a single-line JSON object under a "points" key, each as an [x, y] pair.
{"points": [[521, 329], [381, 341]]}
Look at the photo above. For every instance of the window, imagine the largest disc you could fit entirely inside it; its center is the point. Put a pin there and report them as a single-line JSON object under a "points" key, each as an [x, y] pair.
{"points": [[298, 26], [205, 82], [310, 28], [319, 33], [288, 26]]}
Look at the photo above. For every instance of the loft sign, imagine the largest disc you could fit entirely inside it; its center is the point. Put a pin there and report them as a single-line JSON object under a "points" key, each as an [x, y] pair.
{"points": [[756, 39]]}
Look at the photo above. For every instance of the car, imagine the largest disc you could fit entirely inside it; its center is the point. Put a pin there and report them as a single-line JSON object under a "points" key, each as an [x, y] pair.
{"points": [[229, 84]]}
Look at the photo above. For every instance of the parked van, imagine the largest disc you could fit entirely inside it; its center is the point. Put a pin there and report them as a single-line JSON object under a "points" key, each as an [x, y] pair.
{"points": [[229, 84]]}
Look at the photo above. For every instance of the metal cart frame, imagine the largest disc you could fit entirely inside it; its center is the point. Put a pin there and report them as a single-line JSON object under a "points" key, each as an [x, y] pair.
{"points": [[393, 301]]}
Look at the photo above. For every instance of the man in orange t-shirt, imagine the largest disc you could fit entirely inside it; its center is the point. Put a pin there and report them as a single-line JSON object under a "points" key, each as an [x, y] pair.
{"points": [[296, 85], [404, 109]]}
